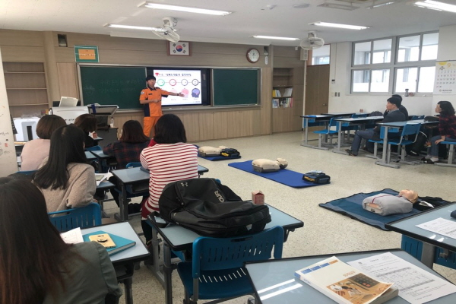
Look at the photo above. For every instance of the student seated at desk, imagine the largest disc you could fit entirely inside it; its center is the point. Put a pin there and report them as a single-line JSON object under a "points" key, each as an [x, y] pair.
{"points": [[386, 204], [127, 149], [392, 106], [401, 107], [170, 159], [447, 130], [35, 151], [65, 178], [36, 266], [88, 124]]}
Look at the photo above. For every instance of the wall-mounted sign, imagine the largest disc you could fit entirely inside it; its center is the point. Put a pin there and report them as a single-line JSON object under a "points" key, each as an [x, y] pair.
{"points": [[84, 53], [181, 48]]}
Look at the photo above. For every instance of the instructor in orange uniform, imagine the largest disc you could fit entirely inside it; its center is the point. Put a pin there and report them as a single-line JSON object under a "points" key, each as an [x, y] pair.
{"points": [[150, 98]]}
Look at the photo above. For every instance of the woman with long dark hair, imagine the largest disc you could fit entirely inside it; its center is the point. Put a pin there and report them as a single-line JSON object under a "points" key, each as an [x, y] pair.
{"points": [[170, 159], [36, 266], [127, 150], [447, 129], [65, 179]]}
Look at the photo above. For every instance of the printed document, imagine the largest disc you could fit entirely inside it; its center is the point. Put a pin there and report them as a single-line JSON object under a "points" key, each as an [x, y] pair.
{"points": [[72, 236], [440, 226], [415, 285]]}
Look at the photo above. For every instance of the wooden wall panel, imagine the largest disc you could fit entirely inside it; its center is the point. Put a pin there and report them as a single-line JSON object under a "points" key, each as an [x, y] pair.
{"points": [[28, 46], [68, 81], [20, 38], [206, 126]]}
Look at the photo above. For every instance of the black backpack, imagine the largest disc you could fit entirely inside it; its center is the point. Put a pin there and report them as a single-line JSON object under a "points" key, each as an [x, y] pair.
{"points": [[211, 209]]}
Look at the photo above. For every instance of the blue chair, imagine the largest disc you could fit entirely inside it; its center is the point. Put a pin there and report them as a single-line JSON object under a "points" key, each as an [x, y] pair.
{"points": [[348, 127], [217, 267], [408, 136], [441, 257], [332, 129], [83, 217], [391, 131], [133, 165]]}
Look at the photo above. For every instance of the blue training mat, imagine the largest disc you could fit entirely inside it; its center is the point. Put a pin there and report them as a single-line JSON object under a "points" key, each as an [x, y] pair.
{"points": [[284, 176], [219, 157], [352, 206]]}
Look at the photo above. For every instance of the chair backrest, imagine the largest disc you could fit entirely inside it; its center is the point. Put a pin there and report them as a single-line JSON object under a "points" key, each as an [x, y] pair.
{"points": [[94, 148], [133, 165], [411, 129], [333, 125], [83, 217], [224, 253]]}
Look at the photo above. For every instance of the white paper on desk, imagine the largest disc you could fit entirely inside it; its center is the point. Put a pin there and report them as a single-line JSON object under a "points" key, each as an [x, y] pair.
{"points": [[440, 226], [102, 177], [72, 236], [415, 284]]}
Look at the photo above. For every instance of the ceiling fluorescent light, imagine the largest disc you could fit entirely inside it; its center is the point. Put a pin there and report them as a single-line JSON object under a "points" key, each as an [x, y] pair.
{"points": [[380, 4], [338, 25], [184, 9], [436, 5], [274, 37], [132, 27]]}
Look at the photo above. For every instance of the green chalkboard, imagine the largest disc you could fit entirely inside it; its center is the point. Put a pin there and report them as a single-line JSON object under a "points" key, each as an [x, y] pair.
{"points": [[113, 85], [235, 87]]}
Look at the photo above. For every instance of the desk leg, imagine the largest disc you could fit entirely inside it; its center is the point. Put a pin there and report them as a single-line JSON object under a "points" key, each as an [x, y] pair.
{"points": [[167, 272], [123, 216], [427, 254], [450, 158], [339, 139], [306, 133], [156, 259], [385, 159]]}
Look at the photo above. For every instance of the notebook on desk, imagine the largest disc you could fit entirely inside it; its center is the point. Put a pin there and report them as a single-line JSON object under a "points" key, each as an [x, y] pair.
{"points": [[120, 243]]}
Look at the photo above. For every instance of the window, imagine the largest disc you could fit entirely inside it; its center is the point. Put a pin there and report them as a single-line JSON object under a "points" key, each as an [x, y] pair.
{"points": [[409, 59], [321, 55]]}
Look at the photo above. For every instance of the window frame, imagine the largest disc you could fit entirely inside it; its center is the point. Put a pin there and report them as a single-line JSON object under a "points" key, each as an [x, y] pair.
{"points": [[393, 65]]}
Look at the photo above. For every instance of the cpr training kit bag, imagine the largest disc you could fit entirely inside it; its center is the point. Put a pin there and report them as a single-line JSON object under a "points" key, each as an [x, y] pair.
{"points": [[211, 209], [316, 177]]}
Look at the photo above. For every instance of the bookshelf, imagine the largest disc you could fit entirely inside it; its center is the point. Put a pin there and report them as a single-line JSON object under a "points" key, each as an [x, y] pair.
{"points": [[26, 88], [287, 97]]}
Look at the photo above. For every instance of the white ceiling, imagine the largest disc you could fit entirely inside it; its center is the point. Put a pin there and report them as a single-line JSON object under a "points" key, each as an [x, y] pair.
{"points": [[249, 17]]}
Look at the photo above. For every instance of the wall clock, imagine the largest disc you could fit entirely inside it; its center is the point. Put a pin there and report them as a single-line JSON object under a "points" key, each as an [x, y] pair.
{"points": [[253, 55]]}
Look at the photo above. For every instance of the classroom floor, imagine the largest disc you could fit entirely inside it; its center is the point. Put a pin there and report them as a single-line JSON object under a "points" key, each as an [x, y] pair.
{"points": [[324, 232]]}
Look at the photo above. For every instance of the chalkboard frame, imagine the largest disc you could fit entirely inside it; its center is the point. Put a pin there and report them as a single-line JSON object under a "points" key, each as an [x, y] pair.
{"points": [[212, 104]]}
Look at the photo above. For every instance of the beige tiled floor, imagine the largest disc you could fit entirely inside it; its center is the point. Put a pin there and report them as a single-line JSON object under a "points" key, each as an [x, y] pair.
{"points": [[324, 231]]}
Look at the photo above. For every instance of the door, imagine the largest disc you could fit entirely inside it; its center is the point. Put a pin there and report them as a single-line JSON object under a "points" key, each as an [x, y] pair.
{"points": [[317, 89]]}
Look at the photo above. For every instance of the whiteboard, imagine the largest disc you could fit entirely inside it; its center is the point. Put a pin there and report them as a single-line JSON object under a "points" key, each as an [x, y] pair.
{"points": [[445, 77], [8, 161]]}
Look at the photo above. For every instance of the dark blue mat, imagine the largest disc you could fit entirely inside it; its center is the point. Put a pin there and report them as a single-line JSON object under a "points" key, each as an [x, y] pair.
{"points": [[219, 157], [352, 206], [284, 176]]}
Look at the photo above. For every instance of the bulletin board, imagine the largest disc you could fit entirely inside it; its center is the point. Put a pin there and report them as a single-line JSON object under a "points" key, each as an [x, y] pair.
{"points": [[445, 77]]}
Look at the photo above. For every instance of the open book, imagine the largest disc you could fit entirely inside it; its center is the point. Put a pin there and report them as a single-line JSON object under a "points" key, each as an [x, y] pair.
{"points": [[345, 284], [113, 243]]}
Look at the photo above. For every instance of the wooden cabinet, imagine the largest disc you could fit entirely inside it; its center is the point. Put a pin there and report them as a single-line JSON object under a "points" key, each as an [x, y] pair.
{"points": [[26, 88], [287, 99]]}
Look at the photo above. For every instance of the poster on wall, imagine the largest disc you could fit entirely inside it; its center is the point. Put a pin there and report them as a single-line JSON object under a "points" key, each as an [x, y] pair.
{"points": [[445, 77]]}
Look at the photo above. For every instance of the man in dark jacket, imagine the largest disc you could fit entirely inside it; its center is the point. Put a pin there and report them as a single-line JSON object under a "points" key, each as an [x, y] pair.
{"points": [[392, 106], [401, 107]]}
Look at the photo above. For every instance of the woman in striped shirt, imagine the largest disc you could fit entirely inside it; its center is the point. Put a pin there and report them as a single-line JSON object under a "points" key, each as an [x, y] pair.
{"points": [[170, 159]]}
